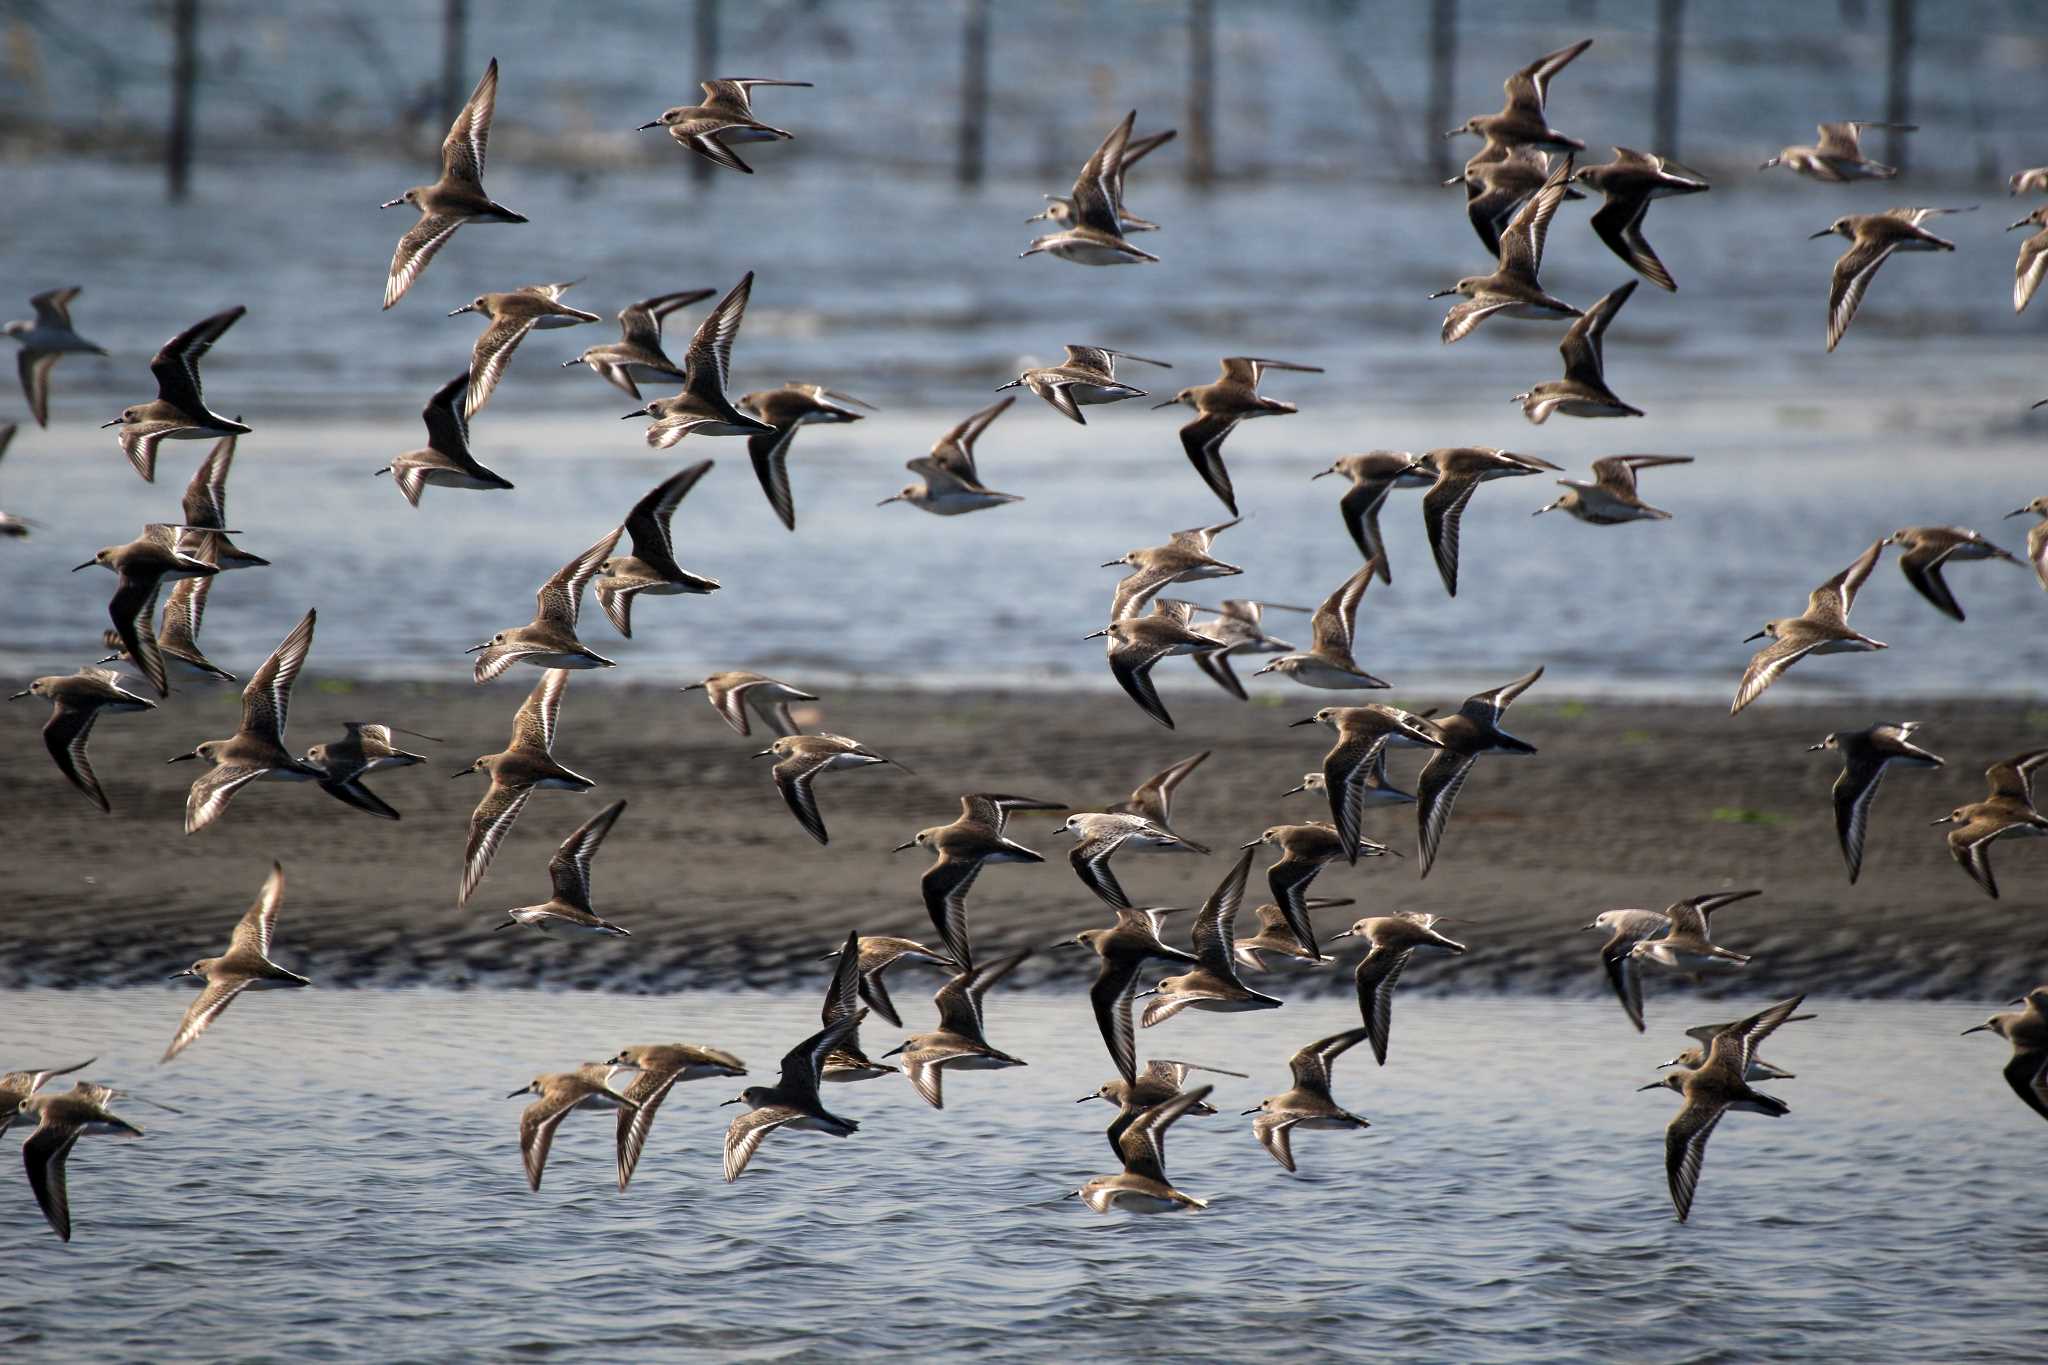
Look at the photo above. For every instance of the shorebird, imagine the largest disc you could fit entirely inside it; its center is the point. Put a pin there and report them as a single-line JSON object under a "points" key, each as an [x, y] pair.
{"points": [[1838, 156], [1095, 235], [587, 1087], [1694, 1057], [1459, 472], [549, 640], [960, 849], [1212, 983], [1219, 406], [2007, 809], [512, 314], [726, 116], [1685, 945], [1087, 377], [1822, 629], [2032, 265], [1924, 550], [526, 762], [702, 407], [787, 408], [1512, 289], [179, 411], [876, 954], [1474, 729], [76, 700], [2033, 181], [1865, 755], [792, 1102], [458, 197], [1099, 835], [1393, 938], [651, 568], [1611, 498], [1154, 797], [205, 505], [1522, 121], [144, 565], [1713, 1090], [951, 480], [11, 526], [732, 692], [61, 1120], [46, 339], [1185, 558], [1498, 180], [960, 1043], [1583, 391], [1137, 643], [1275, 936], [1328, 663], [1307, 1104], [1239, 628], [798, 761], [245, 966], [1873, 237], [1124, 948], [1373, 476], [847, 1062], [1142, 1186], [17, 1086], [1059, 209], [1160, 1081], [1624, 930], [657, 1067], [1363, 734], [1304, 851], [177, 633], [1370, 779], [365, 748], [256, 750], [2027, 1031], [445, 461], [1629, 183], [569, 870], [637, 354], [2037, 534]]}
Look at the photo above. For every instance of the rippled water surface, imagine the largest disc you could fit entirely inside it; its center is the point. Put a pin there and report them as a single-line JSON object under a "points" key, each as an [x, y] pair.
{"points": [[345, 1180]]}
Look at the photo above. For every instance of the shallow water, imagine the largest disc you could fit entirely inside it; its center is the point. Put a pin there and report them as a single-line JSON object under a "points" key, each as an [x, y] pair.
{"points": [[346, 1176]]}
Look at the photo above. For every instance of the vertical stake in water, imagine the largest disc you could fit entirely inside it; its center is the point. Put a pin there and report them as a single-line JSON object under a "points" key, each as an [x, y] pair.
{"points": [[454, 27], [1670, 26], [974, 94], [1201, 92], [184, 87], [1898, 83], [1443, 63], [701, 170]]}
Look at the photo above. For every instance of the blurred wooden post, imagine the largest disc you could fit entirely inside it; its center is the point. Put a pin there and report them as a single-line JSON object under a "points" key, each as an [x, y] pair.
{"points": [[701, 169], [184, 85], [1898, 84], [1201, 161], [974, 94], [1443, 62], [1670, 24], [454, 26]]}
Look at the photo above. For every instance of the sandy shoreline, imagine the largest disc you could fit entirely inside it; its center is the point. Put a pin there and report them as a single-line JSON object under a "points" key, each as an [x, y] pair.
{"points": [[1627, 804]]}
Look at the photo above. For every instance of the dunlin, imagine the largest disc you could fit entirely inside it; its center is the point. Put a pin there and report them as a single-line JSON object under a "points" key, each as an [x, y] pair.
{"points": [[245, 966], [1363, 733], [1095, 235], [2037, 535], [952, 481], [2027, 1031], [11, 526], [1522, 121], [526, 762], [876, 954], [256, 750], [1124, 948], [1275, 935], [732, 692], [61, 1120], [365, 748], [1583, 391], [1865, 755], [726, 116], [1142, 1186], [1686, 944], [1098, 837], [1630, 182], [1873, 237], [144, 565], [1512, 289], [638, 355], [798, 761], [1373, 476], [1137, 643], [587, 1087], [1239, 628], [1328, 662], [457, 197], [445, 461], [842, 1001], [959, 850], [2033, 181], [702, 408], [1154, 797], [651, 568], [1160, 1081], [1712, 1091], [1474, 729], [549, 640], [2032, 265], [76, 701], [657, 1067], [1219, 406], [1304, 851], [17, 1086], [2007, 809], [205, 506], [1212, 983], [1822, 629], [787, 408], [1838, 156], [1059, 209], [792, 1102], [179, 410], [512, 314], [1925, 550], [569, 870], [1393, 938], [1085, 378], [1694, 1057], [1307, 1104], [1459, 472], [1185, 558], [960, 1043], [1624, 930], [46, 339], [1611, 498], [1370, 778], [1498, 180]]}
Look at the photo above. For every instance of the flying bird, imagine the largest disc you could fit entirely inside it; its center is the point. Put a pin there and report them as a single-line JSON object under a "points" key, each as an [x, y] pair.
{"points": [[458, 197]]}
